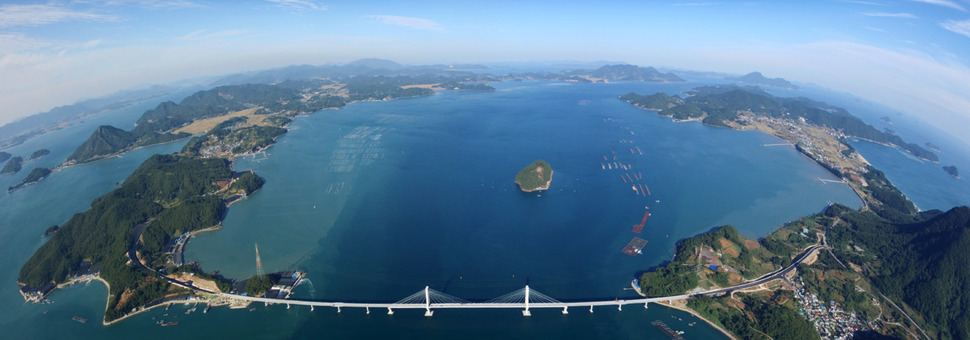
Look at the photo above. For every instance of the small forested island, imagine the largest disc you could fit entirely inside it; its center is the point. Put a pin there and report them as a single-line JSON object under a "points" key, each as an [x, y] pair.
{"points": [[535, 176], [35, 176], [39, 153], [952, 170], [12, 166]]}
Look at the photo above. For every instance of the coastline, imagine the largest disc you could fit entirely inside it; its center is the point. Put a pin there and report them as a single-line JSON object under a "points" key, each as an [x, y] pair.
{"points": [[546, 187], [684, 308], [698, 315]]}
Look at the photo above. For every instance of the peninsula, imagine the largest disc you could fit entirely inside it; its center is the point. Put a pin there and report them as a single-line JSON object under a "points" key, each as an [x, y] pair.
{"points": [[35, 176], [133, 237], [869, 272], [534, 177]]}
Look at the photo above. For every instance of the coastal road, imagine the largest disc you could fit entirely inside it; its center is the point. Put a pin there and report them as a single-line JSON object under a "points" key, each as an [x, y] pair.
{"points": [[775, 275], [133, 256]]}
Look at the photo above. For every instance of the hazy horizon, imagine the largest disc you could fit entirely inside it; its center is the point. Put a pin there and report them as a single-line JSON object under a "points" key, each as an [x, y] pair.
{"points": [[911, 56]]}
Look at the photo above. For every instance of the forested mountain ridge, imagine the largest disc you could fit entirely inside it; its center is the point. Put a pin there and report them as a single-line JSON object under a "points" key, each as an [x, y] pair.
{"points": [[172, 194], [720, 105], [154, 126], [922, 263], [104, 141]]}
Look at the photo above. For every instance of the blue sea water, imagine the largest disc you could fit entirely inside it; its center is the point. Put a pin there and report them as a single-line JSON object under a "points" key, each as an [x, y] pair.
{"points": [[380, 199]]}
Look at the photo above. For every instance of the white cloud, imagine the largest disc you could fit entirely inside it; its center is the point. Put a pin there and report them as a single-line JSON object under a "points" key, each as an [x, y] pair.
{"points": [[891, 15], [694, 4], [876, 29], [409, 22], [302, 5], [944, 3], [202, 35], [34, 15], [869, 3], [958, 27], [153, 4]]}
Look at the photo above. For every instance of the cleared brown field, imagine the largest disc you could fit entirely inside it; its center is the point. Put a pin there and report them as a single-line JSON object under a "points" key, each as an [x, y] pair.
{"points": [[204, 125]]}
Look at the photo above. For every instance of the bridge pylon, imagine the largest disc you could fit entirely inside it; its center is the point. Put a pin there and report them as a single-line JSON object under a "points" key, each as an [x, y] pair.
{"points": [[427, 302], [526, 311]]}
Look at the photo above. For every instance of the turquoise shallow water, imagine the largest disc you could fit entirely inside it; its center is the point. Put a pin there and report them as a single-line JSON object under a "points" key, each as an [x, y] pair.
{"points": [[379, 199]]}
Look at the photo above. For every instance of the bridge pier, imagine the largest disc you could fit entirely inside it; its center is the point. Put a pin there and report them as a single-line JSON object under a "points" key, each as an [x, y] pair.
{"points": [[311, 308], [619, 307], [646, 305], [591, 309], [565, 310], [390, 311], [287, 306], [338, 309], [368, 310]]}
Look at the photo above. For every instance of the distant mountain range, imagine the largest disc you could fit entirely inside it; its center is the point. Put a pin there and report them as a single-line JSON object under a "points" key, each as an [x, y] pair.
{"points": [[20, 130], [633, 73], [759, 79]]}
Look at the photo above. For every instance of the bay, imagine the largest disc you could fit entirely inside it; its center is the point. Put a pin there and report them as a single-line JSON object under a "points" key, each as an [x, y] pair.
{"points": [[380, 199]]}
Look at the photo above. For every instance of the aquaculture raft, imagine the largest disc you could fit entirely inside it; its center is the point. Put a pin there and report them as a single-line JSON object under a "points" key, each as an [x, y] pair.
{"points": [[634, 247]]}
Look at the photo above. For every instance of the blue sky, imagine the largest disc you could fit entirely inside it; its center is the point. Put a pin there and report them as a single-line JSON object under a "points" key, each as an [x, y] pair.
{"points": [[909, 55]]}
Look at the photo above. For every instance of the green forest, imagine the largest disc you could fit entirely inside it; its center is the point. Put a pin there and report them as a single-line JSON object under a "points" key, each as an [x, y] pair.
{"points": [[39, 153], [774, 321], [535, 176], [921, 262], [172, 194], [913, 257], [36, 175], [13, 166]]}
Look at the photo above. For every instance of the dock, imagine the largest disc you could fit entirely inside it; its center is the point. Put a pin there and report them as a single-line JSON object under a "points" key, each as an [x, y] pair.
{"points": [[670, 333]]}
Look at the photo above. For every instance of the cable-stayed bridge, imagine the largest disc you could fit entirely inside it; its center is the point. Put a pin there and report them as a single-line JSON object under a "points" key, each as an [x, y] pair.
{"points": [[525, 298], [430, 299]]}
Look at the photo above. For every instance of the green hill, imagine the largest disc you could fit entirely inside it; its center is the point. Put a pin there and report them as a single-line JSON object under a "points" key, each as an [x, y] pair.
{"points": [[535, 176], [39, 153], [35, 175], [13, 166], [106, 140], [175, 194], [923, 263]]}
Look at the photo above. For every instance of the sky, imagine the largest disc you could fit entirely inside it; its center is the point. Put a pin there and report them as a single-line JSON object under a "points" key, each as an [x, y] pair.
{"points": [[910, 55]]}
